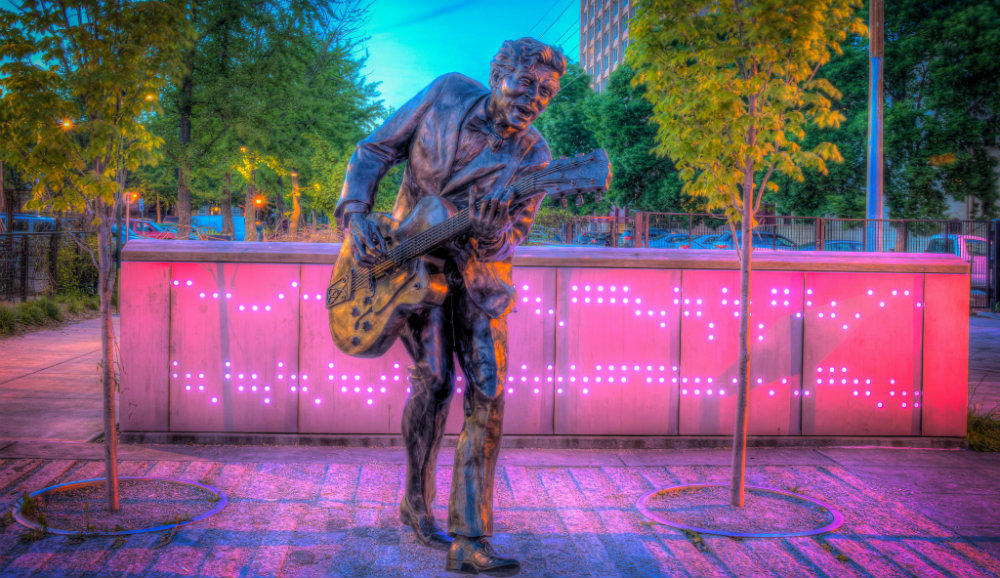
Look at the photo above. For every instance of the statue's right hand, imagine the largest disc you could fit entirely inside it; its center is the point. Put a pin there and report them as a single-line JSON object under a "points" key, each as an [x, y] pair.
{"points": [[367, 244]]}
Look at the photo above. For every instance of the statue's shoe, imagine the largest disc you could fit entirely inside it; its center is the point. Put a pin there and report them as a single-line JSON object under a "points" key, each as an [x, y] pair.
{"points": [[424, 529], [476, 555]]}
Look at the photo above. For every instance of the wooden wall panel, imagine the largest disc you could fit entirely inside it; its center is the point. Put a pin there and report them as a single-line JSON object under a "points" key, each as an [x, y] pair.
{"points": [[233, 347], [710, 347], [862, 354], [945, 355], [144, 339], [616, 344]]}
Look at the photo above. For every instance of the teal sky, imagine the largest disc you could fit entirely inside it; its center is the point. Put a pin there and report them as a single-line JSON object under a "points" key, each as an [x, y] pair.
{"points": [[412, 43]]}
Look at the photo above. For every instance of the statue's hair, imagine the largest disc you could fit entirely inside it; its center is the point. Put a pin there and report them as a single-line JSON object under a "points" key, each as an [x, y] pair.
{"points": [[528, 52]]}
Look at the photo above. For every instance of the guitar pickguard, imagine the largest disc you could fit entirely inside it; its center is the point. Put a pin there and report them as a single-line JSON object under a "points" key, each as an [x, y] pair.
{"points": [[340, 290]]}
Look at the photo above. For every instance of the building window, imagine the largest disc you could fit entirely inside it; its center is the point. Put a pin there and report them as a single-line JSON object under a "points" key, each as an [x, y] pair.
{"points": [[591, 11], [605, 43], [622, 22], [614, 32], [614, 57], [607, 17], [605, 67], [615, 9]]}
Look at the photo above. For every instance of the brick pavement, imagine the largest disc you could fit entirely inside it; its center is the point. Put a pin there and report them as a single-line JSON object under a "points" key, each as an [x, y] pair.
{"points": [[332, 512]]}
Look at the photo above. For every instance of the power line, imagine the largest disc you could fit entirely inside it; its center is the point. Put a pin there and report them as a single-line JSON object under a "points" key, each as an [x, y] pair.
{"points": [[542, 17], [568, 6], [568, 30]]}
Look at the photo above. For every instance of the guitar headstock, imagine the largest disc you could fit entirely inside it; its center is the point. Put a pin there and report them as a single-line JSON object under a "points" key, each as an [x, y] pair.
{"points": [[584, 173]]}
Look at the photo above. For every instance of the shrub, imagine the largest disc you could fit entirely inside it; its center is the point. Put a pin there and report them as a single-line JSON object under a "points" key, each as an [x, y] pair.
{"points": [[8, 320], [50, 308], [30, 313], [984, 431]]}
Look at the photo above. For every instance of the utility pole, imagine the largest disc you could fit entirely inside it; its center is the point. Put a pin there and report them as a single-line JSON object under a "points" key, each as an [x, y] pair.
{"points": [[876, 98]]}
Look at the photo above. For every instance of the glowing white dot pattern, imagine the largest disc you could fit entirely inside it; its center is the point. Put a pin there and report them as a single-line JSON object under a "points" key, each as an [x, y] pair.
{"points": [[708, 313]]}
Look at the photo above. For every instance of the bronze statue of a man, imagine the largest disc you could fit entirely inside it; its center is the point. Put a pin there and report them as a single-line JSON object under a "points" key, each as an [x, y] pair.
{"points": [[461, 143]]}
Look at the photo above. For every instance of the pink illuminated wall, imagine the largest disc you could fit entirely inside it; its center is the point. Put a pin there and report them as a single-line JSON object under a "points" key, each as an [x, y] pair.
{"points": [[637, 346]]}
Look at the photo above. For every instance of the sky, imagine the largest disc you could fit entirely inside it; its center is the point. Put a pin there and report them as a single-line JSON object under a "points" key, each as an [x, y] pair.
{"points": [[412, 43]]}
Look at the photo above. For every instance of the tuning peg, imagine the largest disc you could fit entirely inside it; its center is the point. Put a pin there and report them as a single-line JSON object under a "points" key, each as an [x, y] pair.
{"points": [[579, 200], [564, 203]]}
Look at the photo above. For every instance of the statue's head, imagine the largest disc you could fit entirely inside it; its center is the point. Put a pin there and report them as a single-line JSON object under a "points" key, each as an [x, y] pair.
{"points": [[524, 77]]}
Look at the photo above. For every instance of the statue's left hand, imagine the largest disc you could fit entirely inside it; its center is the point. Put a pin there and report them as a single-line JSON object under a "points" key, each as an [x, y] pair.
{"points": [[492, 218]]}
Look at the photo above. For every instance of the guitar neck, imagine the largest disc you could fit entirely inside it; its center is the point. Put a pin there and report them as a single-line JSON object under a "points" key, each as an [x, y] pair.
{"points": [[452, 227]]}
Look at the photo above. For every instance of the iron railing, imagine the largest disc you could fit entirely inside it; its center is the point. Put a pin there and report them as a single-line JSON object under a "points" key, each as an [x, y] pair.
{"points": [[974, 241]]}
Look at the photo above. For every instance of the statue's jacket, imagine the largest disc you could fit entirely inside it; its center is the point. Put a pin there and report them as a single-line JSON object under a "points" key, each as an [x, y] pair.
{"points": [[425, 133]]}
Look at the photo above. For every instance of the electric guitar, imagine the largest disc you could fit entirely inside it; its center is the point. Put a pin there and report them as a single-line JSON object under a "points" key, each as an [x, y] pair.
{"points": [[369, 305]]}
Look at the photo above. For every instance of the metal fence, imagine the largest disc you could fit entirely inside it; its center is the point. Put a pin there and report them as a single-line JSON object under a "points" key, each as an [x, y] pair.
{"points": [[975, 241], [33, 264]]}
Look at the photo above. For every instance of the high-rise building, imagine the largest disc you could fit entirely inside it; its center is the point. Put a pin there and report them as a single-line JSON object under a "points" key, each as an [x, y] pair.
{"points": [[604, 36]]}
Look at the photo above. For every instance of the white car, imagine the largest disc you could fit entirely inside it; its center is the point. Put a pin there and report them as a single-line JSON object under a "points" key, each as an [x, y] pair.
{"points": [[972, 250]]}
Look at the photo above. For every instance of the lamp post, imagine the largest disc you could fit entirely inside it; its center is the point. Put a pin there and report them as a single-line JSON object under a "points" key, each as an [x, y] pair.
{"points": [[258, 204], [876, 92], [129, 198]]}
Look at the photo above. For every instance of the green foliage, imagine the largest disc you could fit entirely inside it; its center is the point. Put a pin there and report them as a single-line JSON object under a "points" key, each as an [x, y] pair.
{"points": [[74, 93], [983, 431], [75, 271], [621, 121], [942, 116], [8, 320], [734, 87], [564, 122], [31, 313], [270, 88]]}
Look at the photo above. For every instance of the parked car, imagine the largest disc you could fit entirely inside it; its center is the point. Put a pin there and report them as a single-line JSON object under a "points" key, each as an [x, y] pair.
{"points": [[28, 223], [627, 238], [150, 230], [833, 245], [198, 233], [672, 241], [761, 240], [972, 250], [593, 238], [542, 235]]}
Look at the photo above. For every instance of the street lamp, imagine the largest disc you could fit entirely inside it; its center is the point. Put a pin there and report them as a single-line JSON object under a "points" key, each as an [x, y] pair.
{"points": [[130, 197], [66, 123]]}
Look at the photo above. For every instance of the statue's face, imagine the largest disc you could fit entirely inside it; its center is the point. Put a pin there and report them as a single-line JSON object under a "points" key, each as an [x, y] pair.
{"points": [[521, 96]]}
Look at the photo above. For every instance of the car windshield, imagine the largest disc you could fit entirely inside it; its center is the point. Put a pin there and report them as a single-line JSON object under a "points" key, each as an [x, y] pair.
{"points": [[975, 248], [939, 245]]}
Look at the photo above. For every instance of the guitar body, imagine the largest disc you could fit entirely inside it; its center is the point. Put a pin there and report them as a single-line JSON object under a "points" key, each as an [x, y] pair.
{"points": [[367, 312]]}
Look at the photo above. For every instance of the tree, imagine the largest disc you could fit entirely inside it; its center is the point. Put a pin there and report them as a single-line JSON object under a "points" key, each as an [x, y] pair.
{"points": [[564, 122], [733, 87], [621, 119], [77, 78]]}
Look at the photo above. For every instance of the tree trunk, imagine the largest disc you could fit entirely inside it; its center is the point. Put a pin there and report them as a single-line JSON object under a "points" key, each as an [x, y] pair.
{"points": [[736, 494], [227, 206], [159, 215], [293, 225], [279, 208], [105, 288], [185, 107], [3, 199], [250, 215]]}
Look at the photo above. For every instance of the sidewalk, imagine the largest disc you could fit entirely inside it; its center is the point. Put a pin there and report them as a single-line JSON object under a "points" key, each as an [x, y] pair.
{"points": [[313, 511]]}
